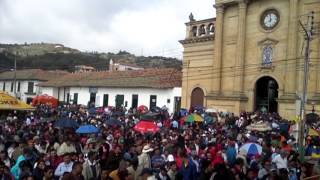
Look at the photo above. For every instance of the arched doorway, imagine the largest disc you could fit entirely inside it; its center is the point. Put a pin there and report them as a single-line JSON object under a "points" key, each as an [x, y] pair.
{"points": [[266, 94], [197, 97]]}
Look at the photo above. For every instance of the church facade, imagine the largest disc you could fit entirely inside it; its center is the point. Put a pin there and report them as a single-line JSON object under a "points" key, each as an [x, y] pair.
{"points": [[250, 57]]}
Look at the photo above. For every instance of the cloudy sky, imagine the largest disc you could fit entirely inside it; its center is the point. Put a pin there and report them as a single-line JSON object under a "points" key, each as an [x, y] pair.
{"points": [[151, 27]]}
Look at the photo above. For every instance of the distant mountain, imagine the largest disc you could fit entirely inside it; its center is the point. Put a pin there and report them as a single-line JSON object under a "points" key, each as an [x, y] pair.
{"points": [[56, 56]]}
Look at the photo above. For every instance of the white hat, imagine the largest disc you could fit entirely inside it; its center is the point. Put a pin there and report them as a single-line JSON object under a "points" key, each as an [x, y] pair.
{"points": [[170, 158], [147, 149], [110, 137]]}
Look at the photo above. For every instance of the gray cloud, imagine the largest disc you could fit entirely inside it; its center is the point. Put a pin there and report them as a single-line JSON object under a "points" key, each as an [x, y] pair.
{"points": [[151, 26]]}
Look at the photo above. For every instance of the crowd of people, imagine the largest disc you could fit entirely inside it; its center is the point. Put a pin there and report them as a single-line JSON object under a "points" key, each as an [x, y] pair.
{"points": [[33, 147]]}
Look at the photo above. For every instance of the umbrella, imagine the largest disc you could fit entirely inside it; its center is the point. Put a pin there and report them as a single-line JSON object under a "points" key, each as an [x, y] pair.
{"points": [[155, 109], [260, 126], [87, 129], [146, 126], [149, 116], [66, 123], [45, 99], [208, 119], [183, 112], [194, 118], [117, 113], [113, 122], [198, 108], [143, 109], [211, 110], [92, 110], [251, 149]]}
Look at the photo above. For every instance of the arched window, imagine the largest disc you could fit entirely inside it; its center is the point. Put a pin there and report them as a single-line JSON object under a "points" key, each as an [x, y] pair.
{"points": [[202, 30], [194, 31], [210, 29], [267, 55]]}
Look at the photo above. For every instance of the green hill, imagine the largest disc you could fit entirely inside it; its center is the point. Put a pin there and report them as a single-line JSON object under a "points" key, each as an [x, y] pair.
{"points": [[63, 58]]}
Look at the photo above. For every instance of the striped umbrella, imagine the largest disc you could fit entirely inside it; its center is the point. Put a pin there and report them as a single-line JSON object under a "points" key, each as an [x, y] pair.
{"points": [[251, 149]]}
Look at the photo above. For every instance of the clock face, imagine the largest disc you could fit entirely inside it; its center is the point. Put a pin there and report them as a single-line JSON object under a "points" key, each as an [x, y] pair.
{"points": [[269, 19]]}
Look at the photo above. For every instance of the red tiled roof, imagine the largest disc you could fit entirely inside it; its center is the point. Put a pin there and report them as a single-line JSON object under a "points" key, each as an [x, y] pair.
{"points": [[32, 74], [148, 78]]}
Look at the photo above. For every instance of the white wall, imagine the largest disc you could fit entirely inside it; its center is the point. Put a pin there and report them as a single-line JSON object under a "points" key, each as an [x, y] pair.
{"points": [[23, 88], [143, 95]]}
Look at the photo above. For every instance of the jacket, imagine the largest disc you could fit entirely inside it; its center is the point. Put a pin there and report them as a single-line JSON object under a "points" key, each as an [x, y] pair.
{"points": [[15, 170], [87, 171], [189, 171]]}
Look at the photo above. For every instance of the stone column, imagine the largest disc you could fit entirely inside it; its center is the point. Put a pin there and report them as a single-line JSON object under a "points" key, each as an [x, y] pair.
{"points": [[240, 61], [290, 79], [216, 72]]}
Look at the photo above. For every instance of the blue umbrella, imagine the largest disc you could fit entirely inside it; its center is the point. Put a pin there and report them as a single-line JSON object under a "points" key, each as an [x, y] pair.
{"points": [[183, 112], [113, 122], [66, 123], [251, 149], [208, 119], [92, 110], [87, 129]]}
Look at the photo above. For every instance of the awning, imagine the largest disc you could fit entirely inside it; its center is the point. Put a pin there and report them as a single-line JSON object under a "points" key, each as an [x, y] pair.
{"points": [[8, 102]]}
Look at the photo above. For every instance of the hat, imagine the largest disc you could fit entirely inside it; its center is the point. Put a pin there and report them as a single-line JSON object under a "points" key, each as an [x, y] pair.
{"points": [[146, 171], [36, 138], [170, 158], [147, 149], [91, 140], [164, 140], [109, 138]]}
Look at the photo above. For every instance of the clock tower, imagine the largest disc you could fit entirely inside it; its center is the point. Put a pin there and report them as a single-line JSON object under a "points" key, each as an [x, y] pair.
{"points": [[249, 58]]}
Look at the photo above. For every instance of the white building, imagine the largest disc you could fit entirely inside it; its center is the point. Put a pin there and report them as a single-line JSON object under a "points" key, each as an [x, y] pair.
{"points": [[151, 87], [113, 66], [26, 82]]}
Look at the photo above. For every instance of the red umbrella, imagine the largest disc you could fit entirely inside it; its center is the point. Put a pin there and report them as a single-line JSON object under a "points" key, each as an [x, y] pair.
{"points": [[45, 99], [146, 126], [143, 109]]}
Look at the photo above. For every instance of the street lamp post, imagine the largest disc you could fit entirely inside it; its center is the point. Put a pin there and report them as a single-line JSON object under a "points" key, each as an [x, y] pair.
{"points": [[313, 110]]}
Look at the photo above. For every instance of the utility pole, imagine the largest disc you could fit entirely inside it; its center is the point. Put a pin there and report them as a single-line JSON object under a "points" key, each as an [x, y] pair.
{"points": [[15, 76], [308, 37]]}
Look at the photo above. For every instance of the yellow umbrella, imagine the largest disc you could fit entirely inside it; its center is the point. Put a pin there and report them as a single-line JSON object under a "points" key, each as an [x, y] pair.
{"points": [[8, 102]]}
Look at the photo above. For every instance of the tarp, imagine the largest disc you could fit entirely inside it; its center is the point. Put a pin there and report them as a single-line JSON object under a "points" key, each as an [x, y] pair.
{"points": [[8, 102]]}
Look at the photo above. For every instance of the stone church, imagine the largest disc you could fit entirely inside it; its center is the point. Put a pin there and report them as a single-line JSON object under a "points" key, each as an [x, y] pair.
{"points": [[250, 57]]}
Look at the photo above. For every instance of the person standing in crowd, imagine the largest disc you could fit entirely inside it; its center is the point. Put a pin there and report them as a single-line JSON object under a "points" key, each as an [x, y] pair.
{"points": [[144, 158], [188, 170], [66, 147], [281, 160], [91, 168], [65, 166], [147, 174], [38, 172], [16, 169], [75, 174]]}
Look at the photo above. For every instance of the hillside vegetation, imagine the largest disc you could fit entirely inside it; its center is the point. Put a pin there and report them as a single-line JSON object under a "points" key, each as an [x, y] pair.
{"points": [[56, 56]]}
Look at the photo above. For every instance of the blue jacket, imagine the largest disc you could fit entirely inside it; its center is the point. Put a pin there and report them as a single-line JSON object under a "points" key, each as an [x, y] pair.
{"points": [[231, 155], [189, 172]]}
